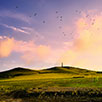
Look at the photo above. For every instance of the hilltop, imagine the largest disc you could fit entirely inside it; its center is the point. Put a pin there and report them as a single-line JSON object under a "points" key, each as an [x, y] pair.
{"points": [[25, 71], [66, 69]]}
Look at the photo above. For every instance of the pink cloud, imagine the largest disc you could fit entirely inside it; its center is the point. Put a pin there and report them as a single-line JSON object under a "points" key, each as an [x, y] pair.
{"points": [[6, 46], [29, 50], [86, 50]]}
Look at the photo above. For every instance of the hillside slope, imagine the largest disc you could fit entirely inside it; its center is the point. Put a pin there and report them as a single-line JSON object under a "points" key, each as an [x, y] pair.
{"points": [[17, 72], [66, 69]]}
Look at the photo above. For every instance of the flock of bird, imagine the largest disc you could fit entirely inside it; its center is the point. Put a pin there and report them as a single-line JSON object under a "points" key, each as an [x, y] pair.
{"points": [[60, 19]]}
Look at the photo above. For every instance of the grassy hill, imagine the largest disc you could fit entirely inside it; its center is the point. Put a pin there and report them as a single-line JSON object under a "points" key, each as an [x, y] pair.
{"points": [[67, 69], [26, 84], [16, 72], [22, 78], [24, 71]]}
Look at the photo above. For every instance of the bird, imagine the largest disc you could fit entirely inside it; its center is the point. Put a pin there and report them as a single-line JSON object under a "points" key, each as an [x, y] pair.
{"points": [[57, 17], [79, 12], [56, 11], [93, 19], [60, 27], [60, 19], [87, 16], [64, 34], [60, 16], [43, 21], [16, 6], [93, 23], [71, 33], [35, 14], [36, 35]]}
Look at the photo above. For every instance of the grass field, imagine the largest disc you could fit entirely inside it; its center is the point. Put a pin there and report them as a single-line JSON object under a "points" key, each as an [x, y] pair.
{"points": [[54, 84]]}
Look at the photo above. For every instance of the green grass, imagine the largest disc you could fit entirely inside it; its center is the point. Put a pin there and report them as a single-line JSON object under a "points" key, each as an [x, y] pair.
{"points": [[20, 78], [53, 79]]}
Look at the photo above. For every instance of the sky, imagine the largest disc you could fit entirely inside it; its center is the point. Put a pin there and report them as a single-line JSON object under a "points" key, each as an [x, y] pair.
{"points": [[40, 34]]}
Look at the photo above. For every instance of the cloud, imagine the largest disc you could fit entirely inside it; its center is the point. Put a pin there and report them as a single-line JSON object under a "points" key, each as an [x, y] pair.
{"points": [[6, 46], [15, 29], [30, 52], [25, 30], [24, 46], [43, 51], [15, 15], [38, 54], [86, 48], [32, 31], [3, 37]]}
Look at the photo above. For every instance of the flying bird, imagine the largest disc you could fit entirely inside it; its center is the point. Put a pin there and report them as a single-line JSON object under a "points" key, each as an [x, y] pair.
{"points": [[93, 19], [57, 17], [56, 11], [71, 33], [35, 14], [60, 16], [16, 6], [79, 12], [43, 21], [60, 19], [64, 34], [87, 16], [60, 27], [93, 23]]}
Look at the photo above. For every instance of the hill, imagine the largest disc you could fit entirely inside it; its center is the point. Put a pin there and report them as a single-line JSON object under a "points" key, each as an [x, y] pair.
{"points": [[62, 82], [24, 71], [67, 69], [16, 72]]}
